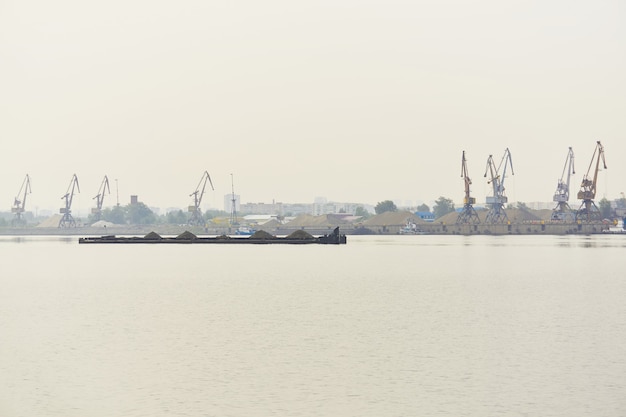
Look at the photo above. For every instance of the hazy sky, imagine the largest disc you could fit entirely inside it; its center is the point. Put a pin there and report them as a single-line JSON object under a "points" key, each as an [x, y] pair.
{"points": [[356, 100]]}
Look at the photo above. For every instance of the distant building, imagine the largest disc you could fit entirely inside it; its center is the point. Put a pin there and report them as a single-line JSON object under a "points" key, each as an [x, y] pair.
{"points": [[228, 203], [275, 209], [318, 208], [619, 206], [541, 205], [297, 209], [427, 216]]}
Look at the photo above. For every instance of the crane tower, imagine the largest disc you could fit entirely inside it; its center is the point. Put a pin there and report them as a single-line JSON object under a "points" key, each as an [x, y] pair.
{"points": [[468, 215], [196, 214], [562, 211], [497, 177], [19, 203], [104, 188], [233, 207], [67, 220], [588, 210]]}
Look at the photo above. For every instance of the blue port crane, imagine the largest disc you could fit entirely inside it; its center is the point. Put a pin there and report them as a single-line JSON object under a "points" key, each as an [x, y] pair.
{"points": [[497, 176], [562, 211]]}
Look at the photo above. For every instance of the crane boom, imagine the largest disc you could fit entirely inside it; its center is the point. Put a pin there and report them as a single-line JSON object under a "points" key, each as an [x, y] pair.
{"points": [[196, 213], [19, 202], [588, 210], [468, 214], [562, 211], [67, 220], [466, 178], [497, 177], [102, 191], [588, 187], [562, 189]]}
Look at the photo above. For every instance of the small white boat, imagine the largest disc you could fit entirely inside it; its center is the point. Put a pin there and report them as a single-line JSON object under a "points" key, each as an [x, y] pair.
{"points": [[244, 231], [410, 228]]}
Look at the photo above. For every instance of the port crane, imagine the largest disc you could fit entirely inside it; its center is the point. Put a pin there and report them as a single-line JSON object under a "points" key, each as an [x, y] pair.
{"points": [[588, 210], [104, 189], [467, 215], [67, 220], [497, 177], [196, 214], [19, 203], [562, 211]]}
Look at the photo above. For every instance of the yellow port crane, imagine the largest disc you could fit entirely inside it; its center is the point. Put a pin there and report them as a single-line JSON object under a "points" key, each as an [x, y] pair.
{"points": [[588, 210], [19, 203], [562, 211], [196, 213], [496, 202], [104, 188], [467, 215], [67, 220]]}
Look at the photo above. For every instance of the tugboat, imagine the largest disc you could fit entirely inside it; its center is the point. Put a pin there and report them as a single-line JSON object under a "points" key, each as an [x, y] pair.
{"points": [[410, 228], [244, 231]]}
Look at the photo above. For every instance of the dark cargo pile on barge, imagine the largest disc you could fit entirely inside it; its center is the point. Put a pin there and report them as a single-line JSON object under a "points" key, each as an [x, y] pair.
{"points": [[297, 238]]}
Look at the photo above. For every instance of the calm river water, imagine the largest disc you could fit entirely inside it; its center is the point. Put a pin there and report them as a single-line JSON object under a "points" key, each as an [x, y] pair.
{"points": [[383, 326]]}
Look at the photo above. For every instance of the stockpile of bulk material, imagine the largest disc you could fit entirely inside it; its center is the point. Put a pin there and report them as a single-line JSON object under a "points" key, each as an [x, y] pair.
{"points": [[300, 235], [514, 215], [261, 235], [52, 221], [392, 218]]}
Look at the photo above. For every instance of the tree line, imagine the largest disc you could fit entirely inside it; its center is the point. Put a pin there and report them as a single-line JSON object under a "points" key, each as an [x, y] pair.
{"points": [[139, 213], [445, 205], [441, 207]]}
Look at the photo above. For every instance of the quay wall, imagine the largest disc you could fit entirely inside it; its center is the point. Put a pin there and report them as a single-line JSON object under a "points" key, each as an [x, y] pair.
{"points": [[435, 228]]}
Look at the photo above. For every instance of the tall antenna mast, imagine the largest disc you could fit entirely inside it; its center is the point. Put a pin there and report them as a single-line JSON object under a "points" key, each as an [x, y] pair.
{"points": [[117, 192], [233, 203]]}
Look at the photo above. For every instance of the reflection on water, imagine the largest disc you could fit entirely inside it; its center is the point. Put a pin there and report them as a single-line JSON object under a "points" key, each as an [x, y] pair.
{"points": [[383, 326], [35, 239]]}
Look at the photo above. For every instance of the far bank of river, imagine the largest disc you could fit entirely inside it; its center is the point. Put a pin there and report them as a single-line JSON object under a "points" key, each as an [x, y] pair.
{"points": [[435, 228]]}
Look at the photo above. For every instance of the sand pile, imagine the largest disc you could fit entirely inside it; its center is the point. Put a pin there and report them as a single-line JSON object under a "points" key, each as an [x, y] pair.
{"points": [[300, 235], [52, 221], [326, 220], [186, 235], [153, 236], [261, 235], [271, 224], [515, 216], [103, 223], [392, 218]]}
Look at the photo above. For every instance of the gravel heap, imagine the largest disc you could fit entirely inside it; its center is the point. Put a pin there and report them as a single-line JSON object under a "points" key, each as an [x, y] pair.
{"points": [[300, 235], [186, 235], [153, 236], [262, 235]]}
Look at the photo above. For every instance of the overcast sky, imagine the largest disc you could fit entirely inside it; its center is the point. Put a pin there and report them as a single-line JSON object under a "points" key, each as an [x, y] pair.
{"points": [[355, 101]]}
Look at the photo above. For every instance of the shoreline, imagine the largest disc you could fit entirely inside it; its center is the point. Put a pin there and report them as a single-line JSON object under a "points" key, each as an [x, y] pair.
{"points": [[537, 228]]}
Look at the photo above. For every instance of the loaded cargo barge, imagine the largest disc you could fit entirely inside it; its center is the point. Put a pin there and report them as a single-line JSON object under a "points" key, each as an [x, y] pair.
{"points": [[261, 238]]}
